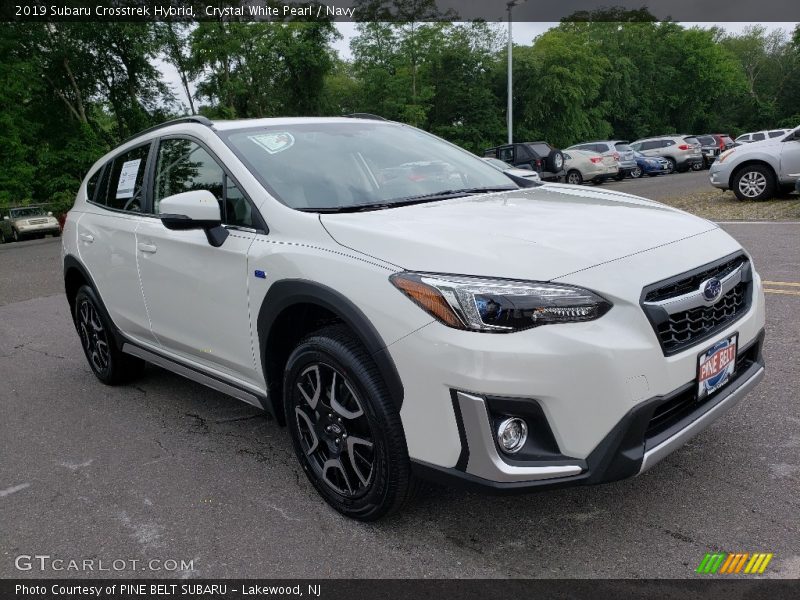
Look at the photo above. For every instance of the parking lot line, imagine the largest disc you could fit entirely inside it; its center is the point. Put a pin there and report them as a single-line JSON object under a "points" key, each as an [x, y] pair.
{"points": [[782, 283], [787, 292]]}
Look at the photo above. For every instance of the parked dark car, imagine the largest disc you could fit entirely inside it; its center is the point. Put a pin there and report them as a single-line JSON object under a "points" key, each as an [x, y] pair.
{"points": [[538, 156], [712, 145]]}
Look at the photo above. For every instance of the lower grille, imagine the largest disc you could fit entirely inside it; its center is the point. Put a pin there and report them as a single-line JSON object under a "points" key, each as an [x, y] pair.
{"points": [[669, 416]]}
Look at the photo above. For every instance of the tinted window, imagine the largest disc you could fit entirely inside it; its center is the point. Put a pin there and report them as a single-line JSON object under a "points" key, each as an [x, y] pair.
{"points": [[743, 138], [774, 134], [506, 154], [183, 166], [540, 149], [705, 140], [121, 186], [623, 147], [652, 144], [758, 137], [91, 185], [665, 143], [691, 140]]}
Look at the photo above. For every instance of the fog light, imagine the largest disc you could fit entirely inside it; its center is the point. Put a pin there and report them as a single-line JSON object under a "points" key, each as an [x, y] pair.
{"points": [[511, 435]]}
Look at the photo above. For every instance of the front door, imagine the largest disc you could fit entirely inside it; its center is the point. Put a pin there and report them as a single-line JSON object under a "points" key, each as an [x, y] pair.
{"points": [[197, 294]]}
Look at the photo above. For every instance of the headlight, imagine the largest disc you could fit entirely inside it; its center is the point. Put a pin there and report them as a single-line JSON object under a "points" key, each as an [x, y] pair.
{"points": [[725, 155], [497, 305]]}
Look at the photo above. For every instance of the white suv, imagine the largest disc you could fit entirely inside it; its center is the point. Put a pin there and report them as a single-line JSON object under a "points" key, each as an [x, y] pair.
{"points": [[405, 308]]}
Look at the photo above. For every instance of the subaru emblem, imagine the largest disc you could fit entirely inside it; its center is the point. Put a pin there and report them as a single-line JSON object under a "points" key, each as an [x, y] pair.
{"points": [[711, 289]]}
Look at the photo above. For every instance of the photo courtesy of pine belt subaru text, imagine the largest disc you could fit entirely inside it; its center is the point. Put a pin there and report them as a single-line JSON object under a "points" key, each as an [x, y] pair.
{"points": [[407, 310]]}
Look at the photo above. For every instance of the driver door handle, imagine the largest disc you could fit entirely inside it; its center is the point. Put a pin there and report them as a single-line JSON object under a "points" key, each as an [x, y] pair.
{"points": [[88, 238], [149, 248]]}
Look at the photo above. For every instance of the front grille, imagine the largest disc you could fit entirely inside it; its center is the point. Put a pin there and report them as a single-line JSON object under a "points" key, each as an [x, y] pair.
{"points": [[680, 320], [691, 283], [683, 327], [37, 221], [668, 416]]}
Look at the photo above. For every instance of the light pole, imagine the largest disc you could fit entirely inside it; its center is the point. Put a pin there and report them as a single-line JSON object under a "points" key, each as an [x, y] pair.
{"points": [[510, 110]]}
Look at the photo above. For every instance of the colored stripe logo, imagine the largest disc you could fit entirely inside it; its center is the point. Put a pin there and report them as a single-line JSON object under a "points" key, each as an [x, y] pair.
{"points": [[726, 563]]}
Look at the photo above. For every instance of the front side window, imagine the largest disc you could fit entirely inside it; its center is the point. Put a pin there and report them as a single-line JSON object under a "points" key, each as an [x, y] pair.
{"points": [[183, 165], [343, 165], [757, 137], [506, 155], [121, 186]]}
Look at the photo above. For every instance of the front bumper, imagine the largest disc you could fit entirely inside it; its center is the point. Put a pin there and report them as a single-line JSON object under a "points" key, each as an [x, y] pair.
{"points": [[38, 228], [627, 450], [719, 175]]}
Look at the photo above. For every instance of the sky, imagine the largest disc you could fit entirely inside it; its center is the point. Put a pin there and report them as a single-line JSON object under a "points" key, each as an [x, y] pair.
{"points": [[523, 33]]}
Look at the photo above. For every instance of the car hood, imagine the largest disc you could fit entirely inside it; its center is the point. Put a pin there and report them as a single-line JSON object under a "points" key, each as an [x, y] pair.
{"points": [[535, 233]]}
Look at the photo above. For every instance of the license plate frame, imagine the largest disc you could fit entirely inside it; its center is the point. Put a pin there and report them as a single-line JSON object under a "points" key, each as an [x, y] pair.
{"points": [[713, 376]]}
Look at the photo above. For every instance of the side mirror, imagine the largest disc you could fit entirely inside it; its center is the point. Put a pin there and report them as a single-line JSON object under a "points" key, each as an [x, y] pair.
{"points": [[49, 214], [197, 209], [6, 218]]}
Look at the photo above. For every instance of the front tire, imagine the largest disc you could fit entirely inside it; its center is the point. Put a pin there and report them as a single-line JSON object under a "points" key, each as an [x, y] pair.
{"points": [[110, 365], [636, 173], [754, 182], [345, 429], [15, 235], [673, 166]]}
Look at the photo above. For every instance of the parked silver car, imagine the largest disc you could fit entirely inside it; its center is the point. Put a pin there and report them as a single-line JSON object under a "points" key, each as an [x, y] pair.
{"points": [[757, 171], [682, 151], [585, 165], [618, 149]]}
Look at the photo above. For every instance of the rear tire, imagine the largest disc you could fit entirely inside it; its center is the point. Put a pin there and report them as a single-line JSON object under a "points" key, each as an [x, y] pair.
{"points": [[636, 173], [110, 365], [620, 176], [574, 177], [345, 429], [673, 166], [2, 237], [754, 182]]}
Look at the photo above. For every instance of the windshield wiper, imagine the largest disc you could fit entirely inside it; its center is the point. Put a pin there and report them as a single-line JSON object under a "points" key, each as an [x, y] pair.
{"points": [[420, 199]]}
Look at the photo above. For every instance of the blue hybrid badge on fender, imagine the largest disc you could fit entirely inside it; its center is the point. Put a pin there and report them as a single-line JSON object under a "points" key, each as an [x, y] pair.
{"points": [[260, 274]]}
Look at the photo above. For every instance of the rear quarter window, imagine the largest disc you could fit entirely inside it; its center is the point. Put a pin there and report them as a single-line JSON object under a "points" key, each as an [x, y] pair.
{"points": [[540, 149]]}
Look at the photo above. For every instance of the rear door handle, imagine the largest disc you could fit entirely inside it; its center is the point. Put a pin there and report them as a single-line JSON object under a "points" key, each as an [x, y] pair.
{"points": [[88, 238], [149, 248]]}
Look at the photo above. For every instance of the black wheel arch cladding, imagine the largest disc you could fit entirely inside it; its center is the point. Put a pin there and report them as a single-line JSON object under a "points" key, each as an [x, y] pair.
{"points": [[289, 292]]}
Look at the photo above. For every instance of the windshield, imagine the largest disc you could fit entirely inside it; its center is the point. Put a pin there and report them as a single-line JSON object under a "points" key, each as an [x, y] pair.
{"points": [[28, 211], [340, 165]]}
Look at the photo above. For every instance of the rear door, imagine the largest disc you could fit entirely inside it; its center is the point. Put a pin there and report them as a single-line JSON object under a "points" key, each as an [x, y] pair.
{"points": [[790, 160], [107, 240], [197, 294]]}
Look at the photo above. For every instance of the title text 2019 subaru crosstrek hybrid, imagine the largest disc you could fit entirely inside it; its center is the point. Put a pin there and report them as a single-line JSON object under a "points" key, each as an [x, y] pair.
{"points": [[405, 308]]}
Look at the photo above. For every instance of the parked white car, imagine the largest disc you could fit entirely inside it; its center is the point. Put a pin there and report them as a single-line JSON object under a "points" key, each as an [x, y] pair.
{"points": [[756, 171], [760, 136], [513, 171], [405, 309], [585, 165]]}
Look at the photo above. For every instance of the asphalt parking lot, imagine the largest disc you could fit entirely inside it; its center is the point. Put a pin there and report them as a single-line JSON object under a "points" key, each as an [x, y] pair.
{"points": [[167, 469]]}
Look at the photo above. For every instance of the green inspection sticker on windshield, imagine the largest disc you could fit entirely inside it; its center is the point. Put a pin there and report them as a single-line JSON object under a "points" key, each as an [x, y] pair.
{"points": [[273, 142]]}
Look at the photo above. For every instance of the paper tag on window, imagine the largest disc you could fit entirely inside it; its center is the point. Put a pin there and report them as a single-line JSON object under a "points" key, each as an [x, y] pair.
{"points": [[127, 178], [274, 142]]}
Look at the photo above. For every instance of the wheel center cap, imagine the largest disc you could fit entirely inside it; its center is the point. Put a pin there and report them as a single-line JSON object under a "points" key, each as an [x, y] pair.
{"points": [[334, 429]]}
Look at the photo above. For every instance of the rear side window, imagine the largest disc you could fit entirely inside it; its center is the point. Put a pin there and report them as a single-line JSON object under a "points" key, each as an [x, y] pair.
{"points": [[91, 185], [757, 137], [774, 134], [506, 154], [665, 143], [121, 186], [541, 149], [183, 165], [650, 145]]}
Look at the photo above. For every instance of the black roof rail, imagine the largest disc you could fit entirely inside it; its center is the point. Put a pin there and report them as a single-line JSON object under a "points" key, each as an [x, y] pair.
{"points": [[365, 116], [190, 119]]}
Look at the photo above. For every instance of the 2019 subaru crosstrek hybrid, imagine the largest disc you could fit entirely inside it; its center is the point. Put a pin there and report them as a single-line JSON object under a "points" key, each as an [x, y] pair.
{"points": [[405, 308]]}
